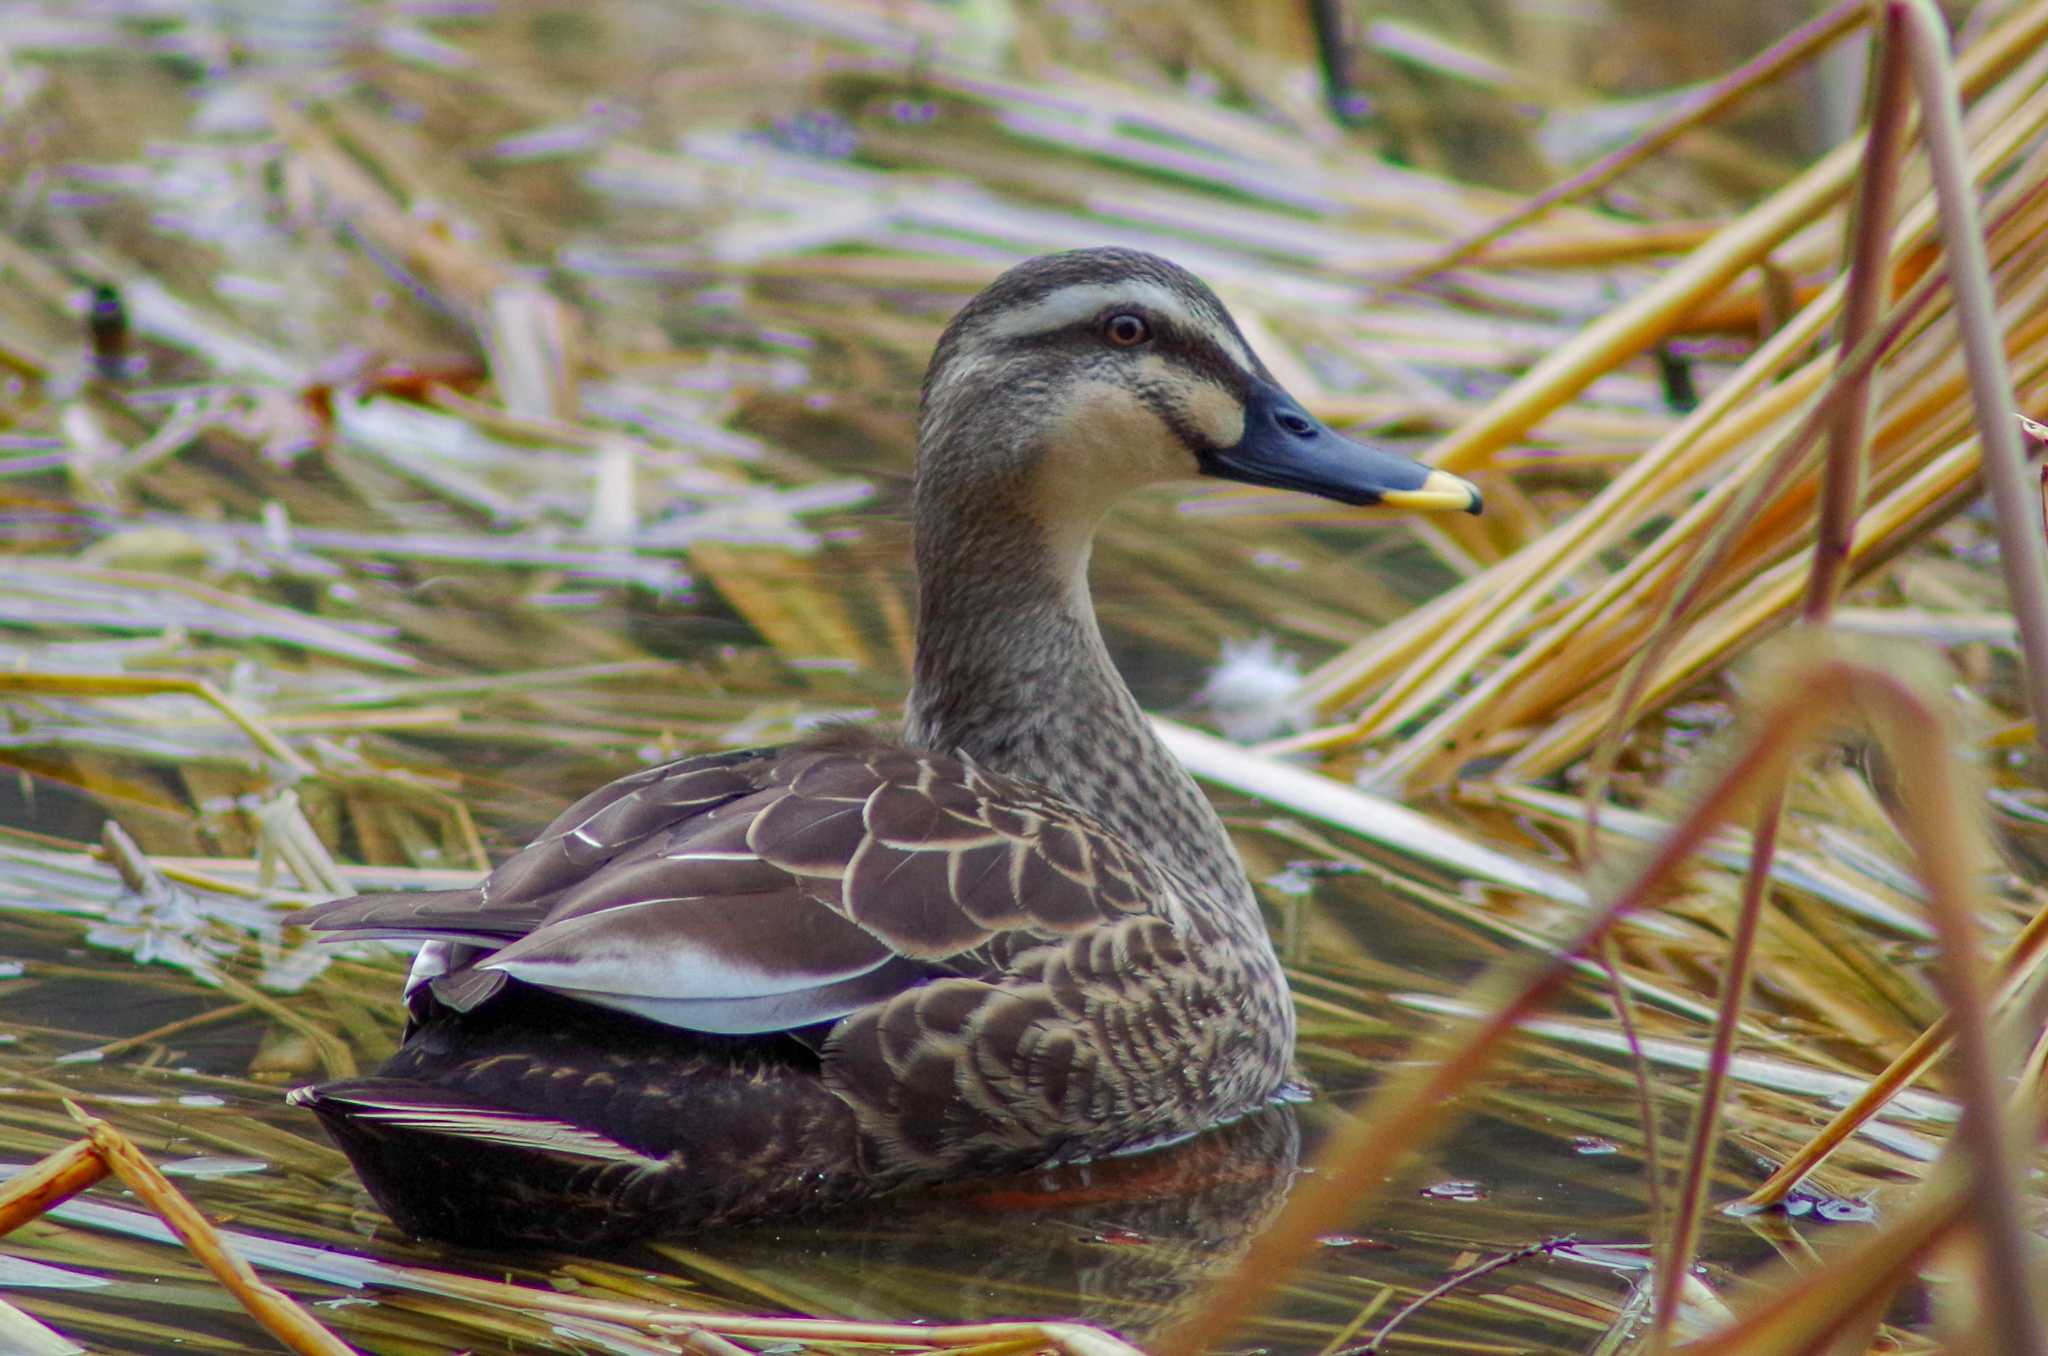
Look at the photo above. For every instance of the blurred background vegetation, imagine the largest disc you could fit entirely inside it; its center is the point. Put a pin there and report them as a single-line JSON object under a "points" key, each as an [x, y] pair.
{"points": [[414, 413]]}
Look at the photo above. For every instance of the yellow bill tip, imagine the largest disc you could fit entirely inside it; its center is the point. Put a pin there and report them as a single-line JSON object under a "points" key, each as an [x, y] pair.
{"points": [[1441, 492]]}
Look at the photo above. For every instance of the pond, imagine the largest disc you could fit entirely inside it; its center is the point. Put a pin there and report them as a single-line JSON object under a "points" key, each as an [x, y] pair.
{"points": [[1553, 1148], [510, 395]]}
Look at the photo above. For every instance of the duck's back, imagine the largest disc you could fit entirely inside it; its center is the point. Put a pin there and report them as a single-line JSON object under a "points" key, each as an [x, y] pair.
{"points": [[777, 980]]}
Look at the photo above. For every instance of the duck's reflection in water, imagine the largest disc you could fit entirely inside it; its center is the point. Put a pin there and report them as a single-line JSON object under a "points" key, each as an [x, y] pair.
{"points": [[1124, 1243]]}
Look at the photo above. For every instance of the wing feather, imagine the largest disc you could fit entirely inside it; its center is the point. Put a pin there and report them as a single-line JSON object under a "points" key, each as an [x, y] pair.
{"points": [[769, 1012], [681, 948], [424, 913], [773, 889]]}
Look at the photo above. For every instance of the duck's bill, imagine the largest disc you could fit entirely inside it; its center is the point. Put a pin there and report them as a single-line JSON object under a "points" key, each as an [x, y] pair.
{"points": [[1286, 447]]}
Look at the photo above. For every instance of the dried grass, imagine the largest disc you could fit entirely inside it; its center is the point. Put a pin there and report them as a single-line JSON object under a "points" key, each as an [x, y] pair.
{"points": [[534, 402]]}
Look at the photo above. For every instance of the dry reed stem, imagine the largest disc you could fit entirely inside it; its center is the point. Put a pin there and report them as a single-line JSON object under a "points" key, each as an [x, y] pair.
{"points": [[1415, 661], [2014, 968], [104, 1151], [1877, 192], [49, 1182], [1842, 490], [1640, 1076], [1800, 45], [1073, 1339], [1637, 240], [156, 685], [1415, 1102], [1675, 1259], [2022, 553]]}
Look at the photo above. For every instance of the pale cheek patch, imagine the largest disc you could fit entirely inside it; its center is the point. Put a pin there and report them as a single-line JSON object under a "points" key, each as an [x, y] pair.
{"points": [[1104, 441], [1214, 414], [1109, 437]]}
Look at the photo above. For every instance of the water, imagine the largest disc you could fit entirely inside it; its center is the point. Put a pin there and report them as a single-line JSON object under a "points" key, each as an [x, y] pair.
{"points": [[1123, 1243], [1126, 1244], [462, 619]]}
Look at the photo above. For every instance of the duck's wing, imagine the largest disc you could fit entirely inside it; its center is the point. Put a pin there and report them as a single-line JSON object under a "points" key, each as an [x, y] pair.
{"points": [[772, 890]]}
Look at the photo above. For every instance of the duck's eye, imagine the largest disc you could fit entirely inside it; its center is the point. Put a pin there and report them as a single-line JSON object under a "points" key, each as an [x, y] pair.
{"points": [[1126, 330]]}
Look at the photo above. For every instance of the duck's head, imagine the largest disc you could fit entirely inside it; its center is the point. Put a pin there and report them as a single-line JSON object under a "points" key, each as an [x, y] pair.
{"points": [[1074, 378]]}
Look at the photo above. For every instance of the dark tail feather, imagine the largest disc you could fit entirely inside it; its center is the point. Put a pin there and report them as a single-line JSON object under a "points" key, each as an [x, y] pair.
{"points": [[539, 1121], [444, 1166]]}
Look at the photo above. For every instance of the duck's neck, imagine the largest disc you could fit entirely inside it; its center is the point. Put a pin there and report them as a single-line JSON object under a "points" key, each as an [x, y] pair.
{"points": [[1012, 670]]}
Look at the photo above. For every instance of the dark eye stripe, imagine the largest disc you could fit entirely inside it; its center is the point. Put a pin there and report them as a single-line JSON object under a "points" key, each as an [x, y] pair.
{"points": [[1191, 349], [1201, 354]]}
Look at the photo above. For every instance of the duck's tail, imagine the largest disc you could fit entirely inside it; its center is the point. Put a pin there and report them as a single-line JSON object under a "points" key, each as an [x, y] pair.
{"points": [[443, 1166], [537, 1121]]}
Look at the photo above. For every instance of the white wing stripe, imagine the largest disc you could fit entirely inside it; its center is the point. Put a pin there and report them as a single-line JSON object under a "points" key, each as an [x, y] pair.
{"points": [[507, 1128], [591, 955]]}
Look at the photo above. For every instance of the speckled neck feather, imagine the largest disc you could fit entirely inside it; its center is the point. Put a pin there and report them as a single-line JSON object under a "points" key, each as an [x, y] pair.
{"points": [[1011, 670]]}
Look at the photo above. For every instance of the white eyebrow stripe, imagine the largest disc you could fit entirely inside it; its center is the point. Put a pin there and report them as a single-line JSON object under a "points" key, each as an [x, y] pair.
{"points": [[1084, 301]]}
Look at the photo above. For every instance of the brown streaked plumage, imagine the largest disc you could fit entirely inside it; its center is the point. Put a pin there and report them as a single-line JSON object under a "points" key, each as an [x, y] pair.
{"points": [[779, 980]]}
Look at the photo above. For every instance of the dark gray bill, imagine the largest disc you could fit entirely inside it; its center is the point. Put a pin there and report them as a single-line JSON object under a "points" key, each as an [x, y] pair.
{"points": [[1286, 447]]}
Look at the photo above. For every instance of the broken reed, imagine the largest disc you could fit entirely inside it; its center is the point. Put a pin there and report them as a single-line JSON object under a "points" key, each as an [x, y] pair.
{"points": [[105, 1151], [1522, 660], [465, 479]]}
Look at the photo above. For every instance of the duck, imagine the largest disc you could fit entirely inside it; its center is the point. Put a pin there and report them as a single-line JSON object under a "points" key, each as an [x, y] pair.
{"points": [[1010, 935]]}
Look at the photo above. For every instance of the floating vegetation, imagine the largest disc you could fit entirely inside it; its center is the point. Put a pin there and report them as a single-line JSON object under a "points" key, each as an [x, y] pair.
{"points": [[413, 415]]}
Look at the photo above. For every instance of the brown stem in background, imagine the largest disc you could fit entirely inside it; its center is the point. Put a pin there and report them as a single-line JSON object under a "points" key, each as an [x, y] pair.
{"points": [[1465, 1277], [2014, 967], [2021, 551], [1646, 1096], [1841, 500], [1326, 17], [1416, 1101], [1870, 249], [1706, 1123], [1946, 860], [1799, 45]]}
